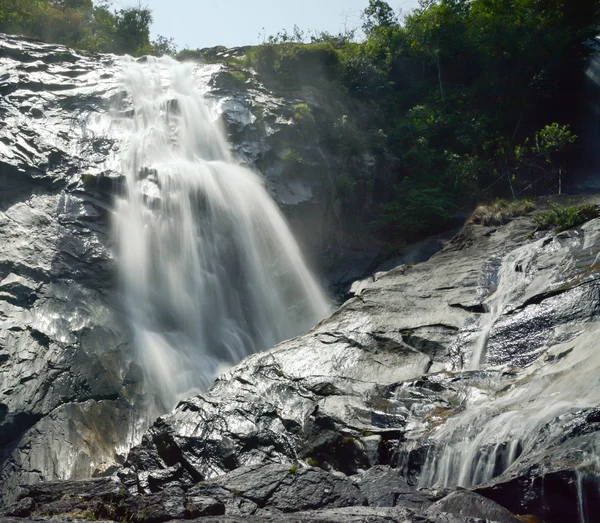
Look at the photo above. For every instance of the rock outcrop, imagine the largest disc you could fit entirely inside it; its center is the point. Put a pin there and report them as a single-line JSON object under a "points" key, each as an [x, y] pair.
{"points": [[385, 382], [344, 423], [69, 387], [71, 402]]}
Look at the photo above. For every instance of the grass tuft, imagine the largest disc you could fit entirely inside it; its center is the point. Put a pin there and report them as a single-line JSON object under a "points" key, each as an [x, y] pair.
{"points": [[500, 211]]}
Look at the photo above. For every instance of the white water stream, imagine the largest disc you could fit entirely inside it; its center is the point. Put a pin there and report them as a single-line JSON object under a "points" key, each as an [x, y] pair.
{"points": [[500, 421], [509, 282], [210, 269]]}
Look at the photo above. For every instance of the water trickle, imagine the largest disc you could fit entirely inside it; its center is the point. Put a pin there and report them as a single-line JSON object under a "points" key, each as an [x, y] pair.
{"points": [[211, 272], [502, 419], [510, 277]]}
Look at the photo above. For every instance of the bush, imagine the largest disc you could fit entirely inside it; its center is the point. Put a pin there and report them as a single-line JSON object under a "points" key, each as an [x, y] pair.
{"points": [[415, 212], [238, 77], [302, 113], [344, 186], [83, 24], [566, 217]]}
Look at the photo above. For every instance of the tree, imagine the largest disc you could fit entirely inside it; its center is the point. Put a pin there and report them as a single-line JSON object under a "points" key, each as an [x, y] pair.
{"points": [[133, 29], [164, 46], [74, 4], [378, 14], [547, 156]]}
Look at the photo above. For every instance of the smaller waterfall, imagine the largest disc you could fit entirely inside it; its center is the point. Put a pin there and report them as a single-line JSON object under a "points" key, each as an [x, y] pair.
{"points": [[496, 428], [501, 421], [509, 280], [210, 270]]}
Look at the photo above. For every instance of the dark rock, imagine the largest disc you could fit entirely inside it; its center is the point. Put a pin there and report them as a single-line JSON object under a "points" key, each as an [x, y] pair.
{"points": [[385, 487], [553, 486], [469, 504], [313, 488]]}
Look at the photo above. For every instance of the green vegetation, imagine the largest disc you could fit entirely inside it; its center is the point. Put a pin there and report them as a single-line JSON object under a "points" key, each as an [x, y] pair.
{"points": [[311, 462], [302, 113], [415, 211], [565, 217], [292, 471], [460, 101], [84, 24], [501, 211], [238, 77]]}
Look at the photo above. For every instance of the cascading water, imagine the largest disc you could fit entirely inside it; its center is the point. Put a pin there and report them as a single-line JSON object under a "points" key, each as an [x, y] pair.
{"points": [[508, 282], [210, 269], [500, 421]]}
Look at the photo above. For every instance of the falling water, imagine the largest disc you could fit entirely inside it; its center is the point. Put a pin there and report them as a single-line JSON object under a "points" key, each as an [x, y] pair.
{"points": [[501, 421], [509, 280], [497, 427], [211, 272]]}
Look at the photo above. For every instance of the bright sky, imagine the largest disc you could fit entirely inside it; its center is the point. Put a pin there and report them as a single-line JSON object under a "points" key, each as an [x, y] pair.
{"points": [[207, 23]]}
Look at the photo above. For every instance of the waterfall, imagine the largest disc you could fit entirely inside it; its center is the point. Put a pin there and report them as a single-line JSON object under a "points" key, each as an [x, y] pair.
{"points": [[501, 421], [509, 280], [210, 270]]}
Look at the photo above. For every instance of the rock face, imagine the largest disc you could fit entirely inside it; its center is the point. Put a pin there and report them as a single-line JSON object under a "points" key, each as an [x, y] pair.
{"points": [[70, 388], [389, 380], [476, 369], [261, 493], [344, 423]]}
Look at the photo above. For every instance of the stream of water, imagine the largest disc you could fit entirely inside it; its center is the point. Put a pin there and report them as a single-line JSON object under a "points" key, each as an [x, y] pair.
{"points": [[500, 421], [210, 270]]}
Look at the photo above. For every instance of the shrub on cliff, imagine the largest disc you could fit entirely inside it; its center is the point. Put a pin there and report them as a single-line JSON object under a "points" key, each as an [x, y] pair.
{"points": [[84, 24], [565, 217]]}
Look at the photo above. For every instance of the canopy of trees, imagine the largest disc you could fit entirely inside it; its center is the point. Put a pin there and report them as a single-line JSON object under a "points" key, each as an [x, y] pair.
{"points": [[469, 99], [83, 24]]}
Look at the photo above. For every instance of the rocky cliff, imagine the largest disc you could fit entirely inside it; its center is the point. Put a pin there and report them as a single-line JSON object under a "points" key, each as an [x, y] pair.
{"points": [[476, 369], [344, 423], [70, 403]]}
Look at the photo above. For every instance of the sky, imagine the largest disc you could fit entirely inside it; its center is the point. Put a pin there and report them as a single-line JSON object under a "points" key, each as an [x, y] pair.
{"points": [[208, 23]]}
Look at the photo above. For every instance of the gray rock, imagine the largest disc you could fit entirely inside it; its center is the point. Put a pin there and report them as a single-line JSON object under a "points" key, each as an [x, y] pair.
{"points": [[313, 488], [469, 504], [385, 487], [385, 380]]}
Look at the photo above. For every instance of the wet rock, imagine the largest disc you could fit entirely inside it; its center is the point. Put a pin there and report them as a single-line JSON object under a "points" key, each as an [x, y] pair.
{"points": [[63, 348], [314, 488], [385, 487], [557, 484], [386, 378], [66, 497], [469, 504]]}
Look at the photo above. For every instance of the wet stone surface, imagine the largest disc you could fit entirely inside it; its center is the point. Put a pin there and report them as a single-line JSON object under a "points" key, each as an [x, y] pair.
{"points": [[345, 423]]}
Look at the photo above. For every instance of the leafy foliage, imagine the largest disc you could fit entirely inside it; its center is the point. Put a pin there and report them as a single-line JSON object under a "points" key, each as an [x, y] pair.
{"points": [[84, 24], [462, 101], [377, 15], [415, 211], [566, 217]]}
